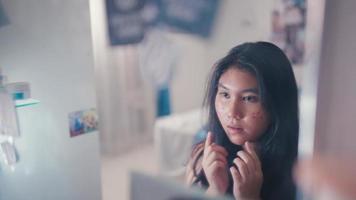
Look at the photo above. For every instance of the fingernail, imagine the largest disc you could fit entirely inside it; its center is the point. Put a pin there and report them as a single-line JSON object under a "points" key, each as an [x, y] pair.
{"points": [[232, 169]]}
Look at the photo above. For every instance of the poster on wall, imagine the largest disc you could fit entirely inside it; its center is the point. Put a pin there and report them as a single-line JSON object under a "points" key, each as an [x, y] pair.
{"points": [[82, 122], [125, 22], [195, 17], [128, 20], [288, 28]]}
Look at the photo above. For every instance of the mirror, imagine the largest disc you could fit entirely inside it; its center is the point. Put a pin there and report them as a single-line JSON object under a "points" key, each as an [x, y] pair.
{"points": [[148, 95]]}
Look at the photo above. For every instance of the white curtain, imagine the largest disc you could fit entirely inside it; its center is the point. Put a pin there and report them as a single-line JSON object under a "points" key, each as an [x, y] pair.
{"points": [[125, 100]]}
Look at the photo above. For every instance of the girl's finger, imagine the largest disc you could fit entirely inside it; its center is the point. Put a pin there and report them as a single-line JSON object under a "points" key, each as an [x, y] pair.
{"points": [[236, 176], [242, 167], [208, 140], [216, 165], [249, 161], [250, 148], [207, 145], [214, 148], [218, 148], [189, 176], [213, 156]]}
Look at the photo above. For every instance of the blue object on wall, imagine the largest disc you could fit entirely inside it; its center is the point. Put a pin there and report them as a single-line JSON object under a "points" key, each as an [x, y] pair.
{"points": [[3, 18], [163, 102], [18, 96], [192, 16]]}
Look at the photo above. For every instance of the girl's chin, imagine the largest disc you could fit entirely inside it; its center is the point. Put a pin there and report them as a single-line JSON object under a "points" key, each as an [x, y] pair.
{"points": [[237, 140]]}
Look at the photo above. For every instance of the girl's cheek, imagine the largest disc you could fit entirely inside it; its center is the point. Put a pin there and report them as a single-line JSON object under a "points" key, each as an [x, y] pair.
{"points": [[220, 110], [257, 115], [219, 107]]}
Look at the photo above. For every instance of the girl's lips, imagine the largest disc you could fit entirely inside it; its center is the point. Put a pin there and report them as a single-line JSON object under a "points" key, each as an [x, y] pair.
{"points": [[234, 130]]}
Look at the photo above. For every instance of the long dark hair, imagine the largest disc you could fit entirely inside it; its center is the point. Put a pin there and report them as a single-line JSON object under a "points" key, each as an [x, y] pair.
{"points": [[278, 146]]}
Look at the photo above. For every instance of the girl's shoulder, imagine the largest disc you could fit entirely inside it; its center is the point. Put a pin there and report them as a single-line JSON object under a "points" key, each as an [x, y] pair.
{"points": [[194, 165]]}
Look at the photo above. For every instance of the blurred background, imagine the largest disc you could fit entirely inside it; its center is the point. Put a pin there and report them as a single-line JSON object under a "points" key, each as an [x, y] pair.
{"points": [[102, 87]]}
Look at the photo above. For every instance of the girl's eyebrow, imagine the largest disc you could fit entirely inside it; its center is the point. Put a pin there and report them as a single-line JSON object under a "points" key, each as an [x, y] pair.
{"points": [[253, 90], [224, 87]]}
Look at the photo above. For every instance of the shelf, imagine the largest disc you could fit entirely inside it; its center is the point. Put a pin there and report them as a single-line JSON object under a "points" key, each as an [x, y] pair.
{"points": [[4, 139], [26, 102]]}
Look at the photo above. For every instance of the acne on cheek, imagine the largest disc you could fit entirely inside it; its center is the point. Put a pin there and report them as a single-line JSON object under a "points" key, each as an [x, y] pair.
{"points": [[257, 115]]}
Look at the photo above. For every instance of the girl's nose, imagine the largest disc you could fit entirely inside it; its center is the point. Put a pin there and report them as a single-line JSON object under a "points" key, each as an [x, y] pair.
{"points": [[235, 111]]}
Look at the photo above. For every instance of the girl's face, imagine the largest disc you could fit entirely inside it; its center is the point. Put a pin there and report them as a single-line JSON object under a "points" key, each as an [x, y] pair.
{"points": [[239, 108]]}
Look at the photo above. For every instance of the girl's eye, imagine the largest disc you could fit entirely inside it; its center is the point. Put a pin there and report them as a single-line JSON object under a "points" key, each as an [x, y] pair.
{"points": [[224, 94], [250, 98]]}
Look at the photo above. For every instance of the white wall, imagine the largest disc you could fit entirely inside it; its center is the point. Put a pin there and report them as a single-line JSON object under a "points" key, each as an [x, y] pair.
{"points": [[237, 21], [48, 44]]}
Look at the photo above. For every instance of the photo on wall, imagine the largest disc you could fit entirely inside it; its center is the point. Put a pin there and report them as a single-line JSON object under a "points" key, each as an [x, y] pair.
{"points": [[288, 28], [81, 122]]}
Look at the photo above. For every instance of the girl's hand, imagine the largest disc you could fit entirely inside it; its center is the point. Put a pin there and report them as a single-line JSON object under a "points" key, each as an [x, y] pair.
{"points": [[215, 166], [248, 176]]}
